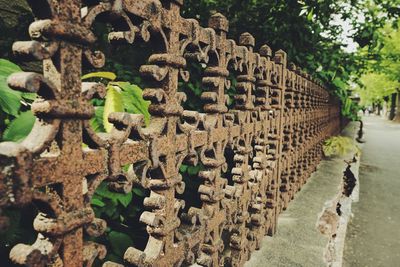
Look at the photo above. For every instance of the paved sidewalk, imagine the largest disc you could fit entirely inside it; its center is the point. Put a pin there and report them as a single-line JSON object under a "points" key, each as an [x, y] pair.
{"points": [[297, 242], [373, 237]]}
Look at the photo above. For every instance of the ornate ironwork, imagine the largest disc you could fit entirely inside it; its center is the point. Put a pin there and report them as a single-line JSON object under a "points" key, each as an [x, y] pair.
{"points": [[275, 131]]}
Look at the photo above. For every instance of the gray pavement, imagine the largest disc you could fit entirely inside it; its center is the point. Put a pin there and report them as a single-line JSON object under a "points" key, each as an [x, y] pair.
{"points": [[297, 242], [373, 235]]}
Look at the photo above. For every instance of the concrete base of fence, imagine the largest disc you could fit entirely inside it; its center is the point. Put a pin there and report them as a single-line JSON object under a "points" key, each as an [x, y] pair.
{"points": [[305, 235]]}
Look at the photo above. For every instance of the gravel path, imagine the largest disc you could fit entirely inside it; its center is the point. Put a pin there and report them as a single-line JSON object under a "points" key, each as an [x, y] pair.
{"points": [[373, 237]]}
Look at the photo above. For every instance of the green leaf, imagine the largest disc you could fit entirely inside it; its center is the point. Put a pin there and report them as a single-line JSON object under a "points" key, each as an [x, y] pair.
{"points": [[103, 191], [339, 83], [193, 170], [7, 68], [20, 127], [126, 167], [111, 209], [302, 12], [97, 121], [9, 99], [133, 100], [310, 15], [113, 104], [125, 199], [183, 168], [97, 202], [29, 96], [101, 74], [138, 191], [119, 242]]}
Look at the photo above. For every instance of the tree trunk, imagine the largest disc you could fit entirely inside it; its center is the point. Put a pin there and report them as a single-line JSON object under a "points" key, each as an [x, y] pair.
{"points": [[392, 106], [385, 108], [397, 117]]}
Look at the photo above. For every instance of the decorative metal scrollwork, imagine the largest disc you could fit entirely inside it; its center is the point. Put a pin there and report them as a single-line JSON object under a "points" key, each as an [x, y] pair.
{"points": [[275, 132]]}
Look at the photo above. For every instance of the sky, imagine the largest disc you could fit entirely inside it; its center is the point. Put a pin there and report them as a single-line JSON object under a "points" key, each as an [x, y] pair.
{"points": [[345, 37], [347, 28]]}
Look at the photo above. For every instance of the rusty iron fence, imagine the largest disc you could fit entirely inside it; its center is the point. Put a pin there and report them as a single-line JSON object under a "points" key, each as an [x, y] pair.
{"points": [[275, 133]]}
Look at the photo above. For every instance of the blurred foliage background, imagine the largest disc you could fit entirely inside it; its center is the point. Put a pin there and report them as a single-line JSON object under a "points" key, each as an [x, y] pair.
{"points": [[352, 46]]}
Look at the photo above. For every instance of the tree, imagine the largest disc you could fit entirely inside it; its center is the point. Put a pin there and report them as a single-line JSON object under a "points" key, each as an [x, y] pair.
{"points": [[391, 61], [383, 65], [374, 87]]}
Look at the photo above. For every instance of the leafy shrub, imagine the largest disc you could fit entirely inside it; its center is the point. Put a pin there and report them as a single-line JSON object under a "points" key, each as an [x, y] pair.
{"points": [[16, 118], [339, 146], [120, 211], [120, 97]]}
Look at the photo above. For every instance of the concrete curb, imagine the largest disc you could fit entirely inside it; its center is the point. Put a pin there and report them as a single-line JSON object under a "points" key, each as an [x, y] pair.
{"points": [[336, 215]]}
